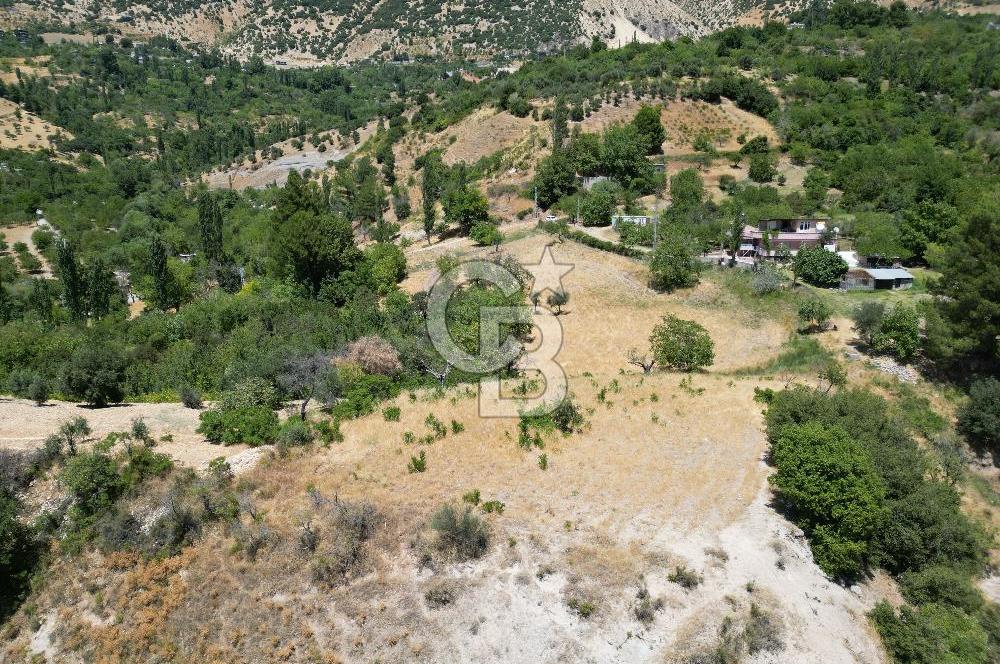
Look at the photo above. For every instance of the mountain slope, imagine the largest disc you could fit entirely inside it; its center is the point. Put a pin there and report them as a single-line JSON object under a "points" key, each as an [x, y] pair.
{"points": [[322, 31]]}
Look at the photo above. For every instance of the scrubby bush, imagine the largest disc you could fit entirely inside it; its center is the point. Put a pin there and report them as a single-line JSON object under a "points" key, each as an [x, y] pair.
{"points": [[979, 417], [294, 433], [646, 607], [391, 414], [930, 634], [681, 344], [19, 382], [941, 584], [93, 481], [142, 462], [95, 374], [814, 314], [250, 393], [460, 533], [684, 577], [254, 425], [374, 355], [567, 416], [417, 464], [765, 280], [762, 632], [582, 607], [191, 398]]}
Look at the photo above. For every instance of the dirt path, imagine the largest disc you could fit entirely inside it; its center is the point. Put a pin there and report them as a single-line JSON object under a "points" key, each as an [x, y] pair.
{"points": [[22, 233], [23, 425]]}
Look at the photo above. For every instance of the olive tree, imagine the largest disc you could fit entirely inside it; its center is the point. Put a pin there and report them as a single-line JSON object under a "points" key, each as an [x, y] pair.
{"points": [[681, 344]]}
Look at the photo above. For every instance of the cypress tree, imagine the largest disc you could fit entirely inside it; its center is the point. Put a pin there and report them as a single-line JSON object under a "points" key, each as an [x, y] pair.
{"points": [[210, 227], [74, 288], [101, 289]]}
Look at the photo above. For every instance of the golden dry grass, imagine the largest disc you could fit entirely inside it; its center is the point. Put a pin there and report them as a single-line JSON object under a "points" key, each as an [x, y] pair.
{"points": [[21, 130], [658, 468]]}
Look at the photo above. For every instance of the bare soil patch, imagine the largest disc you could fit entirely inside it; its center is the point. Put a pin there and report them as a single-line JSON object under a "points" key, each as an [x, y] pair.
{"points": [[23, 425]]}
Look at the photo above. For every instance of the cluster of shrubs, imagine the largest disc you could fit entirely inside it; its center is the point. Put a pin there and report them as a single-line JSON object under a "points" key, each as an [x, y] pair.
{"points": [[868, 496], [566, 417], [894, 331]]}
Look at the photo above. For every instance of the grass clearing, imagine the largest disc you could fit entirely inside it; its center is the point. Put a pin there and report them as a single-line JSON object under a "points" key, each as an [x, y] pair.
{"points": [[799, 355]]}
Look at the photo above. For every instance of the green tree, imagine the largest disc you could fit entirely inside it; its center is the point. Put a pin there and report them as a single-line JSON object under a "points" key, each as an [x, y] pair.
{"points": [[650, 129], [899, 332], [558, 299], [762, 168], [598, 206], [430, 189], [554, 179], [967, 324], [942, 584], [681, 344], [17, 555], [6, 304], [166, 289], [210, 227], [979, 417], [674, 264], [829, 481], [74, 288], [877, 235], [585, 154], [560, 129], [95, 374], [102, 290], [819, 267], [867, 319], [928, 223], [623, 156], [314, 248], [466, 207], [486, 234], [687, 191], [814, 314], [387, 265]]}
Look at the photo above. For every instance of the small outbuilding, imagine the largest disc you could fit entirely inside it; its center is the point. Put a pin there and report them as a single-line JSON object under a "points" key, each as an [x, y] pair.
{"points": [[635, 219], [869, 278]]}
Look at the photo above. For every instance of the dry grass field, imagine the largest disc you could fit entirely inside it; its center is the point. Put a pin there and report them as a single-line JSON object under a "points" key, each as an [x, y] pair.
{"points": [[21, 130], [663, 473]]}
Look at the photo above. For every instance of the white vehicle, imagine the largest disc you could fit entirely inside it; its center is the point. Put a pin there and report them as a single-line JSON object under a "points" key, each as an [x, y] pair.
{"points": [[550, 217]]}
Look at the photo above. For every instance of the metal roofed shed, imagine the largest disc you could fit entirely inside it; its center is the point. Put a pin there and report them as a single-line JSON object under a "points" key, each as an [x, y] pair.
{"points": [[866, 278]]}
